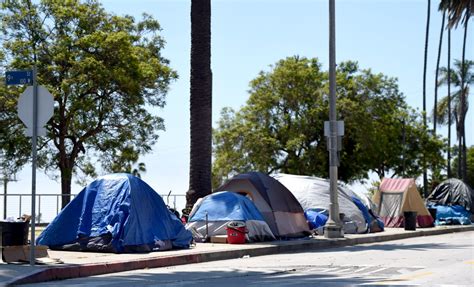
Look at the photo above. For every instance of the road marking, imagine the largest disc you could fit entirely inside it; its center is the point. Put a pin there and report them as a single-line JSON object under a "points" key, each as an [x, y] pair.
{"points": [[362, 269], [342, 270], [376, 270], [404, 278]]}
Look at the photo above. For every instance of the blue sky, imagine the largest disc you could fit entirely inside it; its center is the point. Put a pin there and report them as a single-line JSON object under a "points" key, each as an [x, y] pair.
{"points": [[249, 35]]}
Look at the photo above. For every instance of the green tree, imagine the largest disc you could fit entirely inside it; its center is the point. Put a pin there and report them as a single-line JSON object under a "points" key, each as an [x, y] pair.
{"points": [[200, 102], [281, 127], [15, 149], [470, 166], [127, 162], [105, 73]]}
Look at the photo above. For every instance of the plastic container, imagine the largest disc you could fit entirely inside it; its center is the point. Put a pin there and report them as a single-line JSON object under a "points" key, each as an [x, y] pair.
{"points": [[14, 233], [236, 231], [410, 220]]}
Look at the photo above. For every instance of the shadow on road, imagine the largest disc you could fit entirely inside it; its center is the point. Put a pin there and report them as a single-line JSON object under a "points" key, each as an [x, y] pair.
{"points": [[232, 277]]}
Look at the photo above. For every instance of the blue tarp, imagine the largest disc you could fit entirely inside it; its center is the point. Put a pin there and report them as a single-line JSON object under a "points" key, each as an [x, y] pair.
{"points": [[368, 216], [316, 217], [116, 213], [451, 215], [227, 206]]}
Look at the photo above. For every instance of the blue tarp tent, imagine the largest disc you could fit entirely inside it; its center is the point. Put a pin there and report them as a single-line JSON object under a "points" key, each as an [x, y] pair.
{"points": [[224, 207], [116, 213]]}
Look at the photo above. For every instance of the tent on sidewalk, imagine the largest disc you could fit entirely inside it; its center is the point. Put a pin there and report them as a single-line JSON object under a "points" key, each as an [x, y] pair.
{"points": [[314, 196], [221, 208], [280, 209], [397, 195], [116, 213], [453, 192], [453, 201]]}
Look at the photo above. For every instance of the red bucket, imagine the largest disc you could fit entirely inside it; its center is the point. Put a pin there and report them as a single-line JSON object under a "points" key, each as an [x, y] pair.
{"points": [[236, 232]]}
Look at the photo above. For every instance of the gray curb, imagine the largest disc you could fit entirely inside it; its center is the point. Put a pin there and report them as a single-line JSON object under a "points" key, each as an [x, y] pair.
{"points": [[90, 269]]}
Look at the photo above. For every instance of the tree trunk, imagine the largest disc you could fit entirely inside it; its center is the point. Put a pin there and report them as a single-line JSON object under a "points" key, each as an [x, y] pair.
{"points": [[200, 102], [66, 179], [462, 145], [425, 175], [435, 109], [449, 102]]}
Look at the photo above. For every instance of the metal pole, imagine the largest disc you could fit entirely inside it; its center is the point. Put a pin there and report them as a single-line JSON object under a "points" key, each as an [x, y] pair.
{"points": [[33, 166], [333, 226], [5, 183]]}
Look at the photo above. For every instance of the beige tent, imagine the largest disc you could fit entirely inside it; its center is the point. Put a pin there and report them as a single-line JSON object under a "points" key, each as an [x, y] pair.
{"points": [[395, 196], [280, 209]]}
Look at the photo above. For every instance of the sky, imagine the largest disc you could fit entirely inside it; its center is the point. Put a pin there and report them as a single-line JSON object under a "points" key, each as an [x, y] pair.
{"points": [[248, 36]]}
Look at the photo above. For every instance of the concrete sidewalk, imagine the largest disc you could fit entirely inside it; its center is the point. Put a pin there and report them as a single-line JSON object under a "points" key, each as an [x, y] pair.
{"points": [[82, 264]]}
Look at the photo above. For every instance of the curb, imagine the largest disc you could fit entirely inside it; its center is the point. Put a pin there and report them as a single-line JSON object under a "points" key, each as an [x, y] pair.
{"points": [[85, 270]]}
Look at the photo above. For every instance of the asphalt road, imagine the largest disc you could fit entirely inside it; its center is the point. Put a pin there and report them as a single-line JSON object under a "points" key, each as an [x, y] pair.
{"points": [[426, 261]]}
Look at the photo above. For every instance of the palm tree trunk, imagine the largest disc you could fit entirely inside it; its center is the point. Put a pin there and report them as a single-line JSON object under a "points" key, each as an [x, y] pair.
{"points": [[200, 102], [462, 146], [435, 109], [449, 102], [425, 176]]}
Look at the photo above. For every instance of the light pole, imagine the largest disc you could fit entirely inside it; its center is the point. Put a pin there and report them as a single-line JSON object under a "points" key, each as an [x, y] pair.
{"points": [[333, 226]]}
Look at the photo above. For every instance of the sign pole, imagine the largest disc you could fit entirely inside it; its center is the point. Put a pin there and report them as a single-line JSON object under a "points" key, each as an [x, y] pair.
{"points": [[33, 166]]}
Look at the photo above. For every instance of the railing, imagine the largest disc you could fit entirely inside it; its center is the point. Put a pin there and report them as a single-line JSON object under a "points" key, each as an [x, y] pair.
{"points": [[49, 205]]}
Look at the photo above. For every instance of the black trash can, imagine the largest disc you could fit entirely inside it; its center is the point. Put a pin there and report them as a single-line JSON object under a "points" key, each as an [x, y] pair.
{"points": [[410, 220], [14, 233], [433, 212]]}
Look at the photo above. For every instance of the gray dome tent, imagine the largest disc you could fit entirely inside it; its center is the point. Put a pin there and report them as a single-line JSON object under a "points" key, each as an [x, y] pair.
{"points": [[280, 209]]}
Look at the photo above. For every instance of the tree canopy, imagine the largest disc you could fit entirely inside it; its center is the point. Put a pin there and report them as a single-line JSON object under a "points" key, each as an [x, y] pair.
{"points": [[281, 127], [105, 72]]}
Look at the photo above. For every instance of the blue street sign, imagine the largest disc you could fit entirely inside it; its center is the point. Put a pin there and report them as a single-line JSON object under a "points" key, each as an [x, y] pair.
{"points": [[19, 77]]}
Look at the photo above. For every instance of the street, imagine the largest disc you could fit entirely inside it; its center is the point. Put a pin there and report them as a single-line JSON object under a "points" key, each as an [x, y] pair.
{"points": [[432, 260]]}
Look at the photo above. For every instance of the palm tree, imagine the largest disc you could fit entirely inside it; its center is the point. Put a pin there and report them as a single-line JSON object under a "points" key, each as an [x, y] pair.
{"points": [[461, 78], [425, 176], [448, 82], [200, 102], [437, 72], [460, 11]]}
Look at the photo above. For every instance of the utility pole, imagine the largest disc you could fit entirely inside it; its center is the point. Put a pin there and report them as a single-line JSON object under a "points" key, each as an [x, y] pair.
{"points": [[333, 227]]}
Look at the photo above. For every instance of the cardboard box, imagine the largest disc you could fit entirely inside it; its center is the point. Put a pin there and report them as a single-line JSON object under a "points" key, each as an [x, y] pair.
{"points": [[219, 239], [21, 253]]}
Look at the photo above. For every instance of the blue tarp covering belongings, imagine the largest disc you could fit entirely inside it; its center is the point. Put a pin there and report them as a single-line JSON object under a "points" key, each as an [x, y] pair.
{"points": [[212, 213], [316, 217], [451, 215], [116, 213]]}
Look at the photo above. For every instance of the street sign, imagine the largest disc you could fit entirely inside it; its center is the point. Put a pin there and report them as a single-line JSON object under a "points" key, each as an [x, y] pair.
{"points": [[19, 77], [45, 109], [340, 128]]}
